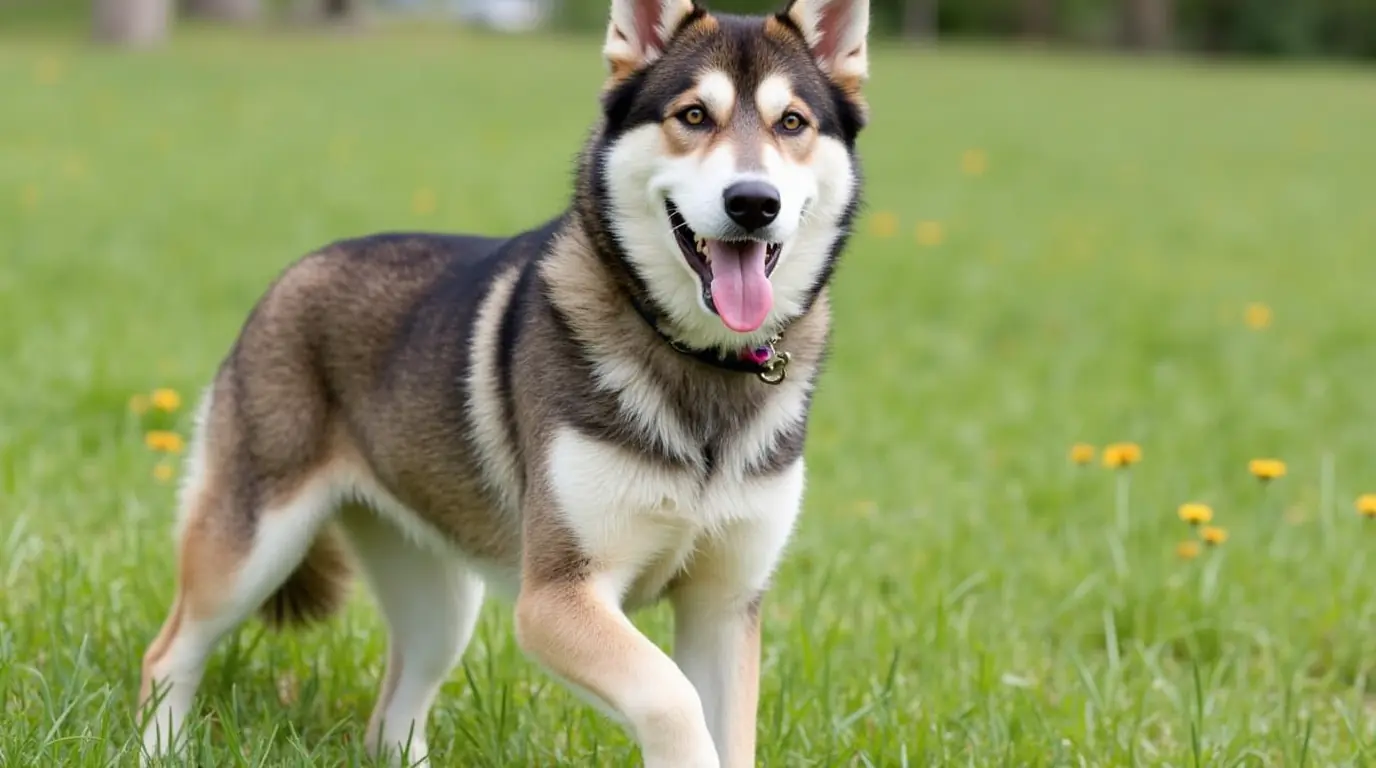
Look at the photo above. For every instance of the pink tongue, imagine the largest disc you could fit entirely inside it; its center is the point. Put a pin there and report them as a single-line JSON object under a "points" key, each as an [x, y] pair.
{"points": [[740, 290]]}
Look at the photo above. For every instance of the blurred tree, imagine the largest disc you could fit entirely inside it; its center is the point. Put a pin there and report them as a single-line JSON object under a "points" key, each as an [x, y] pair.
{"points": [[327, 10], [134, 23], [225, 10], [919, 19], [1279, 28], [1037, 20], [336, 9], [1148, 24]]}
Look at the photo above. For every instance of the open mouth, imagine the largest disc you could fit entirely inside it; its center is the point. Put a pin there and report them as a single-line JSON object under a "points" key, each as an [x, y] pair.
{"points": [[734, 273]]}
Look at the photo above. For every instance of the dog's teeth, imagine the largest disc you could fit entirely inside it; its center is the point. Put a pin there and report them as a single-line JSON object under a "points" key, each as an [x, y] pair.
{"points": [[701, 243]]}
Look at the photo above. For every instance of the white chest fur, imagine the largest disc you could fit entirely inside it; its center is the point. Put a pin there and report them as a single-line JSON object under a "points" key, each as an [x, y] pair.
{"points": [[641, 522]]}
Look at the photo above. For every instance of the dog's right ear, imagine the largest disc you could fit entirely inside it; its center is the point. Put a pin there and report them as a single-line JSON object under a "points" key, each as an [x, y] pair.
{"points": [[638, 32]]}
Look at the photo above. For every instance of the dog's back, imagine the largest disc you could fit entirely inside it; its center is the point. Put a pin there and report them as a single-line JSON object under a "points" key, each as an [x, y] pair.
{"points": [[357, 366]]}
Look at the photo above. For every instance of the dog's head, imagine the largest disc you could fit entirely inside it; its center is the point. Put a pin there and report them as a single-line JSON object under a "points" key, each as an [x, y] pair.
{"points": [[726, 167]]}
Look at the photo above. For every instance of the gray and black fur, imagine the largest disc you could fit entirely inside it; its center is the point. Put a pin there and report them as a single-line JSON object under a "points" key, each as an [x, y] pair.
{"points": [[364, 356]]}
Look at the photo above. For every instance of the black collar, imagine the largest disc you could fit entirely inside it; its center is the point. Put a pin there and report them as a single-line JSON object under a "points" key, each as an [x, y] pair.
{"points": [[764, 361]]}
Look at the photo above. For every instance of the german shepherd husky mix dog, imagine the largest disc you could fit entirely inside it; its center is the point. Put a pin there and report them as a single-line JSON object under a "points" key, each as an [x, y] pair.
{"points": [[586, 417]]}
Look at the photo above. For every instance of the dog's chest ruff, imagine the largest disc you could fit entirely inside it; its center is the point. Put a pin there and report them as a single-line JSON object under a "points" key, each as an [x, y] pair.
{"points": [[729, 445], [641, 521]]}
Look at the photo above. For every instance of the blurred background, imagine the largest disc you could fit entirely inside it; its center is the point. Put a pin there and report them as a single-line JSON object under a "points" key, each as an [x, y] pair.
{"points": [[1087, 222], [1278, 28]]}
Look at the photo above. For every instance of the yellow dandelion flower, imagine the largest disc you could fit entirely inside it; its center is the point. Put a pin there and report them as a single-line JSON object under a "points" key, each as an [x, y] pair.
{"points": [[1266, 469], [494, 140], [74, 167], [863, 509], [164, 441], [1258, 316], [930, 234], [1121, 455], [166, 400], [163, 472], [48, 70], [423, 202], [341, 149], [1366, 504], [974, 162], [1195, 513], [138, 405], [884, 224], [1213, 535], [1082, 453], [1187, 550]]}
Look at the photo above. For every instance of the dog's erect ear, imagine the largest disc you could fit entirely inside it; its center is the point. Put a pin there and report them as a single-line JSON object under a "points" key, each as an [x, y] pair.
{"points": [[638, 32], [836, 31]]}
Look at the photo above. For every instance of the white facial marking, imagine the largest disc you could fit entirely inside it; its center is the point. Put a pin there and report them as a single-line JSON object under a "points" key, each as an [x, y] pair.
{"points": [[773, 97], [642, 172], [825, 186], [718, 94]]}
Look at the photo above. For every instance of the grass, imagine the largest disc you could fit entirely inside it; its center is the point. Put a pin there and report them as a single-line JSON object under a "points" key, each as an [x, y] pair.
{"points": [[958, 593]]}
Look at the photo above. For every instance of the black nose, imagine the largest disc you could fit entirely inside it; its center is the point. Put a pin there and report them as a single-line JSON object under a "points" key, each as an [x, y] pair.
{"points": [[752, 204]]}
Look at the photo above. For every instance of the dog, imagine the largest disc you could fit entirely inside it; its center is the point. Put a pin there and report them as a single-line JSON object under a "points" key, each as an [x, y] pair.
{"points": [[585, 418]]}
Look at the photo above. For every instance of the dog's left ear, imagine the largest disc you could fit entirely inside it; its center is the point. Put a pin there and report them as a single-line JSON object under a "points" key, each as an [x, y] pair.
{"points": [[639, 31], [837, 32]]}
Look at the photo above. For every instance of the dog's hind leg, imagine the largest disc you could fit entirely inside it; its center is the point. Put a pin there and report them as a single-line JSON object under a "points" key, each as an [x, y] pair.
{"points": [[232, 560], [431, 603]]}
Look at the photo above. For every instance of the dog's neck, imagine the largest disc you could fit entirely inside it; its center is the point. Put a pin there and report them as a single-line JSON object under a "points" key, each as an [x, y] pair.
{"points": [[765, 360], [606, 310]]}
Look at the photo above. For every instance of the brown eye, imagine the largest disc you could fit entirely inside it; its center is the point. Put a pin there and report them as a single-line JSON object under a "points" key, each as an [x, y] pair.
{"points": [[792, 122], [694, 116]]}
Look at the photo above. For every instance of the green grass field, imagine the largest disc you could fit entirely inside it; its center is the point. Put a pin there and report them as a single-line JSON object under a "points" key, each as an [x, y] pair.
{"points": [[1055, 249]]}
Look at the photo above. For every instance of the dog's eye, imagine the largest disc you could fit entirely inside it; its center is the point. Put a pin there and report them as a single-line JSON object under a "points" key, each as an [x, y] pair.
{"points": [[792, 122], [694, 116]]}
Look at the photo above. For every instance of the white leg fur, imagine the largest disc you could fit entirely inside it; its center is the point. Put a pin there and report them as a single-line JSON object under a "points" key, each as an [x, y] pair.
{"points": [[716, 625], [716, 644], [282, 537], [176, 677], [431, 604]]}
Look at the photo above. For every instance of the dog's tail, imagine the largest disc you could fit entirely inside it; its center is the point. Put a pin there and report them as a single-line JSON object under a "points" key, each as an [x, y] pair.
{"points": [[316, 589]]}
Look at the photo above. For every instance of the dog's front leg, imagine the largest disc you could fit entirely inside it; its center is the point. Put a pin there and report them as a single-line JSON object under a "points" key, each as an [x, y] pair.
{"points": [[717, 644], [585, 639], [717, 613], [569, 619]]}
